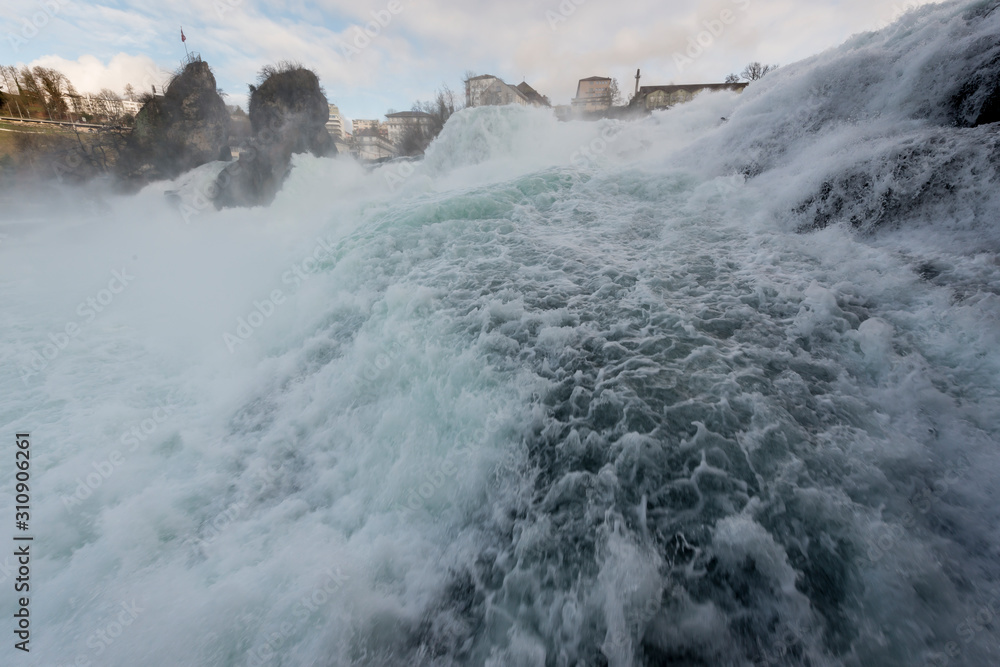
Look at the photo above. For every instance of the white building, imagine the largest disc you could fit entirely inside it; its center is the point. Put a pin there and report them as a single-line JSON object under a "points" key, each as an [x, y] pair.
{"points": [[372, 147], [95, 105], [398, 124], [488, 90], [132, 106], [365, 126], [335, 124]]}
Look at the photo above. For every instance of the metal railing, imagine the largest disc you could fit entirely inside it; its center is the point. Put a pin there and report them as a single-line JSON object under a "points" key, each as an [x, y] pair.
{"points": [[49, 122]]}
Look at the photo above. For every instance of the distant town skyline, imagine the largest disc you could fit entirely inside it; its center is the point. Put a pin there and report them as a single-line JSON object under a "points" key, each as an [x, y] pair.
{"points": [[376, 55]]}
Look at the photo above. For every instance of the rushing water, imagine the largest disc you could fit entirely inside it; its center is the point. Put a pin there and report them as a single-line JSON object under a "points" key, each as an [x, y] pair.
{"points": [[683, 391]]}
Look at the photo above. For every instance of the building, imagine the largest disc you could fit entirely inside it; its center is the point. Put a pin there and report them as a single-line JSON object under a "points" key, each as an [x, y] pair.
{"points": [[534, 98], [335, 124], [132, 106], [398, 124], [488, 90], [96, 105], [374, 127], [664, 97], [344, 145], [371, 147], [593, 94]]}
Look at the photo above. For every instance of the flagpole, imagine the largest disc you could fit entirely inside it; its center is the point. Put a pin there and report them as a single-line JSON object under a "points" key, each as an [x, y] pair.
{"points": [[184, 41]]}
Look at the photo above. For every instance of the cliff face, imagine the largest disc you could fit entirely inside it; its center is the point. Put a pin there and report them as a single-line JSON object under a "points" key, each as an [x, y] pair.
{"points": [[288, 115], [975, 91], [184, 129]]}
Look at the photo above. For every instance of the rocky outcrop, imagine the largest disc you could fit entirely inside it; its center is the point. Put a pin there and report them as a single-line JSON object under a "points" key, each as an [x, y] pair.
{"points": [[288, 114], [977, 98], [291, 104], [185, 128], [977, 101]]}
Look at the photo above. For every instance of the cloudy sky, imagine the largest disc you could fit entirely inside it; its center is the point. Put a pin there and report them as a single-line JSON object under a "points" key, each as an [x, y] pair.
{"points": [[413, 46]]}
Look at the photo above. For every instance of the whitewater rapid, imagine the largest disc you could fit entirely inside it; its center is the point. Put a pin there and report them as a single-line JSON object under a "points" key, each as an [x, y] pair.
{"points": [[558, 394]]}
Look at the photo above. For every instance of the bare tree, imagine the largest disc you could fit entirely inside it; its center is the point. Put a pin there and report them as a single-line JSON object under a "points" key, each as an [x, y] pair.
{"points": [[418, 136], [614, 94], [9, 84], [129, 92], [415, 140], [93, 152], [733, 78], [14, 93], [31, 91], [53, 84], [7, 94], [72, 98], [10, 76], [755, 71], [109, 106]]}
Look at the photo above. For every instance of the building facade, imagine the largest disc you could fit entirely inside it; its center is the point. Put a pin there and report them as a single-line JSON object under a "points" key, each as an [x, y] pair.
{"points": [[371, 147], [366, 126], [488, 90], [335, 124], [534, 98], [593, 94], [652, 98], [96, 105], [398, 124]]}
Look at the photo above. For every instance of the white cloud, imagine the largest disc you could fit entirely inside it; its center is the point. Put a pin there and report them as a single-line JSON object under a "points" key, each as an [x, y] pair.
{"points": [[89, 74]]}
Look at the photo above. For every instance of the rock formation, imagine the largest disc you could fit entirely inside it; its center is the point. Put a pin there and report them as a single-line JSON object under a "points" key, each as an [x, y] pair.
{"points": [[185, 128], [288, 114]]}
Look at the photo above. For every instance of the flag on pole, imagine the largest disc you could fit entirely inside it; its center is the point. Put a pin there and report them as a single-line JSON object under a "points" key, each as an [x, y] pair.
{"points": [[183, 38]]}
